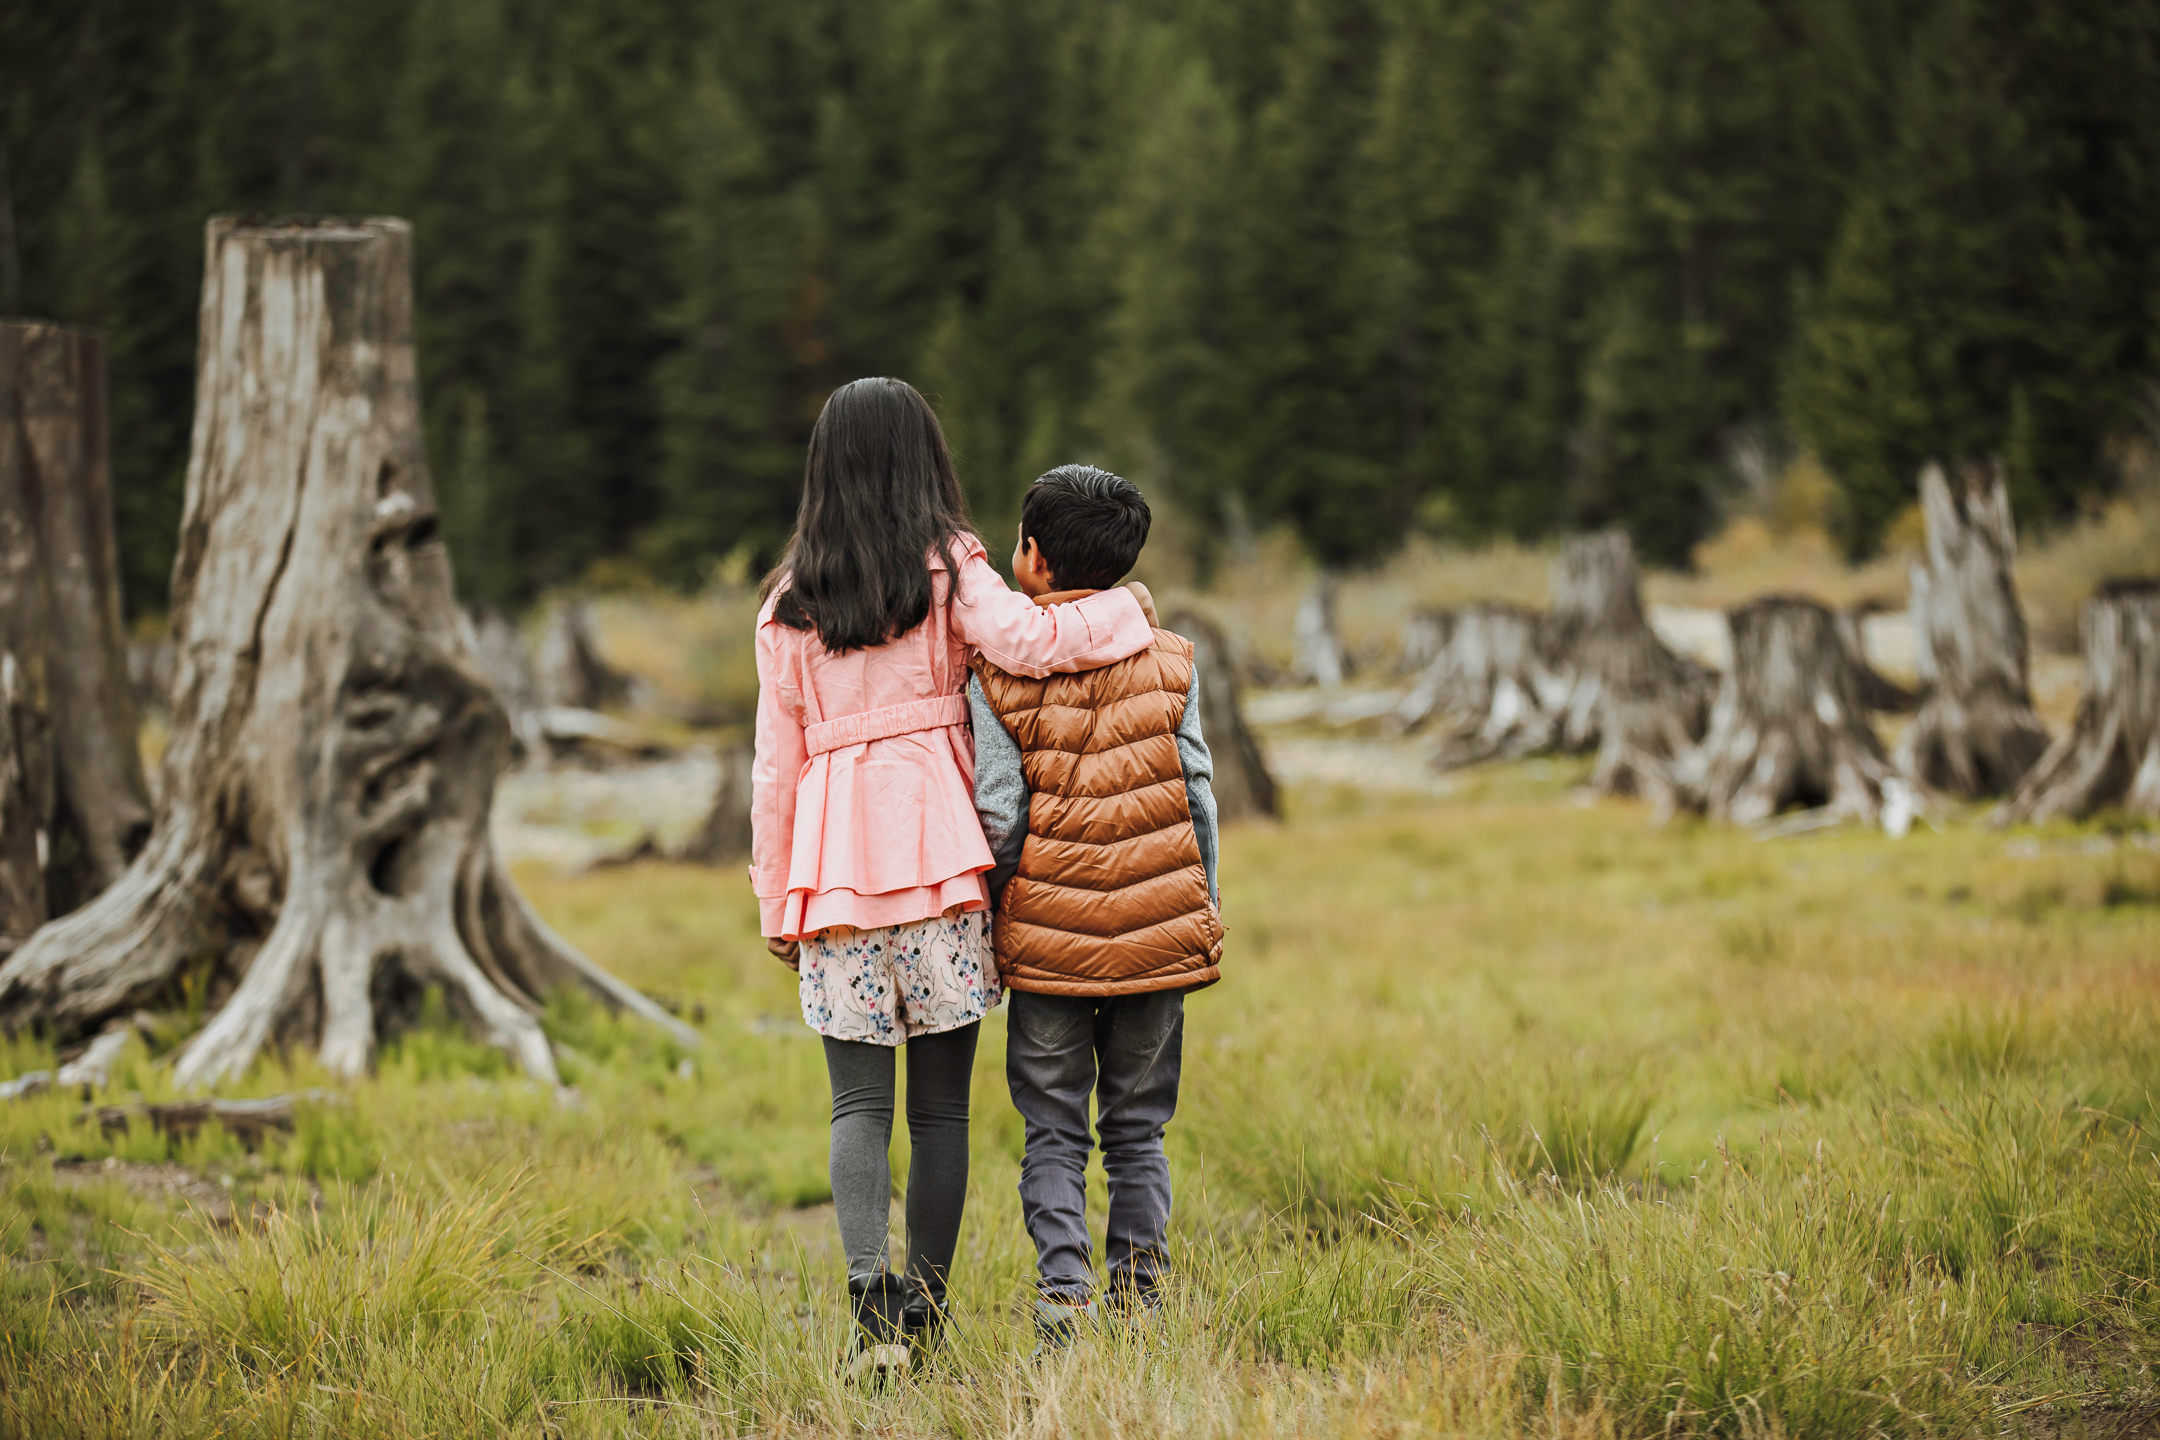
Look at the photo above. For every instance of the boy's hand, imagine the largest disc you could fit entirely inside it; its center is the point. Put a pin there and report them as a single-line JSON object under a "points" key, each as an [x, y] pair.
{"points": [[787, 952], [1147, 601]]}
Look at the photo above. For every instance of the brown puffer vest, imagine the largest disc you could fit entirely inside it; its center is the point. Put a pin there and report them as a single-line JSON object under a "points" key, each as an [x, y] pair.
{"points": [[1111, 896]]}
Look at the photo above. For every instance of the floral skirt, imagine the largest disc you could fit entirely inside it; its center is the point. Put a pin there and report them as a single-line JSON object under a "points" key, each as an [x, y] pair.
{"points": [[891, 984]]}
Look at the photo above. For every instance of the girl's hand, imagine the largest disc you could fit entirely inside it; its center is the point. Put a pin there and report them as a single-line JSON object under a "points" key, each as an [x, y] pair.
{"points": [[787, 952], [1147, 601]]}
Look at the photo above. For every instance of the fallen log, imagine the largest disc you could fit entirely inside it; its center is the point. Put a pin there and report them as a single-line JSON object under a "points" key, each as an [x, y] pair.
{"points": [[248, 1121]]}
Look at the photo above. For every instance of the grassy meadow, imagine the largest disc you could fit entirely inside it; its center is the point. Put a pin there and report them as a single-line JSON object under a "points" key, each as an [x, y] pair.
{"points": [[1514, 1116]]}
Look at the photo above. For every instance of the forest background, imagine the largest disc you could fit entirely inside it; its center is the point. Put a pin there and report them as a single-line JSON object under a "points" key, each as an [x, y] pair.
{"points": [[1363, 268]]}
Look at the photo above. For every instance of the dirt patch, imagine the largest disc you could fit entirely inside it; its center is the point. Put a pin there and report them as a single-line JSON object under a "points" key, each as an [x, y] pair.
{"points": [[177, 1185]]}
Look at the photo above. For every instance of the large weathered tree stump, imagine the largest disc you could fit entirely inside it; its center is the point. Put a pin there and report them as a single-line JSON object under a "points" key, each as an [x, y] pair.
{"points": [[2111, 754], [1628, 694], [323, 822], [73, 806], [1976, 733], [1244, 789], [1789, 728]]}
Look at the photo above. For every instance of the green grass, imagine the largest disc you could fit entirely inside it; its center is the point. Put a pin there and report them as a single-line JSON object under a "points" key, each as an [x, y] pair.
{"points": [[1512, 1117]]}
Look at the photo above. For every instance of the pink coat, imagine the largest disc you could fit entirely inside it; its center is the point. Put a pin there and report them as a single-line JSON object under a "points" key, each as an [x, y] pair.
{"points": [[863, 790]]}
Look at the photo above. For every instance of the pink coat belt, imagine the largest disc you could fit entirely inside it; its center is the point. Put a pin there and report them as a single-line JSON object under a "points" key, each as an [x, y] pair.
{"points": [[903, 719]]}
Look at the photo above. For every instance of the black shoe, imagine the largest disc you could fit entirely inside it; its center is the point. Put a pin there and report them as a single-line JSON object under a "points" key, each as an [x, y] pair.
{"points": [[1058, 1323], [881, 1352], [922, 1322]]}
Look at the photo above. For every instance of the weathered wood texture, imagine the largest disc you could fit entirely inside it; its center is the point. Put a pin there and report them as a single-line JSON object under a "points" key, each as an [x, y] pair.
{"points": [[73, 806], [1789, 728], [725, 835], [1976, 733], [1244, 789], [2111, 754], [1627, 694], [1492, 682], [323, 827]]}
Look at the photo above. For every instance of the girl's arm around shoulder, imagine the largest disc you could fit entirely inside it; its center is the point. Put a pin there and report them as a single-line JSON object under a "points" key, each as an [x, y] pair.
{"points": [[775, 767], [1016, 634]]}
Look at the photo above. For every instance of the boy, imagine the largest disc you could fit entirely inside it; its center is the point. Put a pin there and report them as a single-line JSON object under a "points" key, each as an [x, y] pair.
{"points": [[1094, 793]]}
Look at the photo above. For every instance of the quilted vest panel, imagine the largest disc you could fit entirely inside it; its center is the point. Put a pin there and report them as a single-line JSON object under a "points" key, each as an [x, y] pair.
{"points": [[1110, 897]]}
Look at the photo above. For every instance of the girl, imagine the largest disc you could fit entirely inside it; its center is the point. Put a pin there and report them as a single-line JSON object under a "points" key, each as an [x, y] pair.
{"points": [[867, 856]]}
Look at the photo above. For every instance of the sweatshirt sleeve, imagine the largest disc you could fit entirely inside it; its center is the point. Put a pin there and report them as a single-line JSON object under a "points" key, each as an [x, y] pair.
{"points": [[775, 766], [1001, 793], [1014, 633], [1199, 769]]}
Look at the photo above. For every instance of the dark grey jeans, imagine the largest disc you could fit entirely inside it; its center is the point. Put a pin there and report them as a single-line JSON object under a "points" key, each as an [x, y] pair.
{"points": [[1126, 1051]]}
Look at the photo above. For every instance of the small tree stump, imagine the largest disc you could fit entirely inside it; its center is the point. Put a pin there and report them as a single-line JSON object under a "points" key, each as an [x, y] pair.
{"points": [[2111, 754], [75, 808], [323, 822], [569, 668], [1321, 659], [1244, 790], [1491, 678], [1789, 728], [1627, 693], [725, 835], [507, 663], [1976, 733]]}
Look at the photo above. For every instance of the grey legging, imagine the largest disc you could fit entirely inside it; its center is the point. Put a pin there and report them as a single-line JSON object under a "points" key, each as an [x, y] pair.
{"points": [[939, 1070]]}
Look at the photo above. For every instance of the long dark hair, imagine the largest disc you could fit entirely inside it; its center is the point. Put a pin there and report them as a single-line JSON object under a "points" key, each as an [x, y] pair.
{"points": [[879, 494]]}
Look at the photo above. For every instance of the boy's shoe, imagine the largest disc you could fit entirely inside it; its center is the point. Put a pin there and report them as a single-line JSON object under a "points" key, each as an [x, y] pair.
{"points": [[1059, 1322], [1132, 1304], [881, 1352]]}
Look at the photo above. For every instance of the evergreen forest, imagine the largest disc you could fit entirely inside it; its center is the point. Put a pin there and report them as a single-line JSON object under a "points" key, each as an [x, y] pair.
{"points": [[1361, 268]]}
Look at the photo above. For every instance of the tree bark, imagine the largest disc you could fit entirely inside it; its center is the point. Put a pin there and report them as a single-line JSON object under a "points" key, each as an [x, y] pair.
{"points": [[2111, 754], [1976, 733], [569, 667], [76, 809], [725, 835], [1492, 681], [323, 829], [1321, 659], [1789, 728], [1628, 695], [1244, 789]]}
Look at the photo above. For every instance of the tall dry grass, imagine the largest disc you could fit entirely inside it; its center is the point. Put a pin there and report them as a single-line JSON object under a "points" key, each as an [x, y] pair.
{"points": [[1511, 1118]]}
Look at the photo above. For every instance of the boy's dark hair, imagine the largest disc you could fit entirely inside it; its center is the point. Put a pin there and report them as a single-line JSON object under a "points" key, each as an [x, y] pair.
{"points": [[1088, 523]]}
